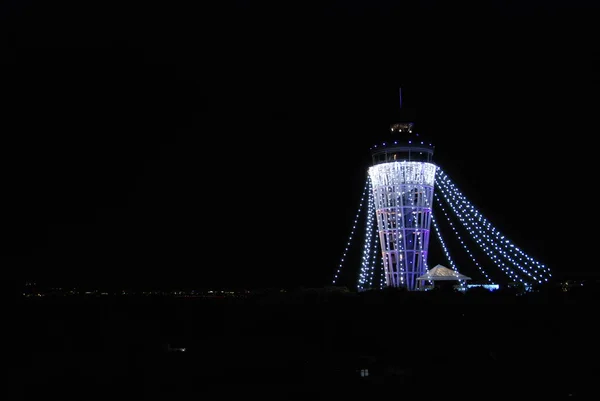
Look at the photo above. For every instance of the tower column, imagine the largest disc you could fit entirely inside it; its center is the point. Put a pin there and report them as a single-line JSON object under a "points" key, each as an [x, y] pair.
{"points": [[403, 179]]}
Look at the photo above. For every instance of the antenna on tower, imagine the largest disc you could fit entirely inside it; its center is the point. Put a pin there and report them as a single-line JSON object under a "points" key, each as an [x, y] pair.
{"points": [[400, 94]]}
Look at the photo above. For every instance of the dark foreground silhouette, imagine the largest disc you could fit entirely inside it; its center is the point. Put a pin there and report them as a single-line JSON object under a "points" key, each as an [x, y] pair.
{"points": [[308, 345]]}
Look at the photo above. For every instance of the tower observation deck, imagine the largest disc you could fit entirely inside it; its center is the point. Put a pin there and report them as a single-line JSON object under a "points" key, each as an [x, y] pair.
{"points": [[402, 177]]}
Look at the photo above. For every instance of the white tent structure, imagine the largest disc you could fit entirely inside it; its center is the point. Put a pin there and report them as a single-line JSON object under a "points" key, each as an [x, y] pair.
{"points": [[442, 273]]}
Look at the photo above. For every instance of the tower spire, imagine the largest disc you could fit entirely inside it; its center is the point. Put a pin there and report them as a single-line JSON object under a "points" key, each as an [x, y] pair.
{"points": [[400, 95]]}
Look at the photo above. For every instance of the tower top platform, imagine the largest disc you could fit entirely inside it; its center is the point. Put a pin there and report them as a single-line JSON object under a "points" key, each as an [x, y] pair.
{"points": [[403, 145]]}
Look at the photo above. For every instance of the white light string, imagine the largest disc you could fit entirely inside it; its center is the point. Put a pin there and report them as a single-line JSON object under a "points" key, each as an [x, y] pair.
{"points": [[352, 231], [479, 241], [375, 253], [382, 276], [461, 240], [374, 242], [444, 248], [535, 270], [480, 237], [364, 270], [503, 244], [475, 218]]}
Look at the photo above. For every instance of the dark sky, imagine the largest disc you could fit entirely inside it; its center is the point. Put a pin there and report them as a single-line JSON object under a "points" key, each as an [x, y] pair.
{"points": [[181, 145]]}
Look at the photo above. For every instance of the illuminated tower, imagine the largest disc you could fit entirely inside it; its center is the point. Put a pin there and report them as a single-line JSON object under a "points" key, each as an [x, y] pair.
{"points": [[402, 177]]}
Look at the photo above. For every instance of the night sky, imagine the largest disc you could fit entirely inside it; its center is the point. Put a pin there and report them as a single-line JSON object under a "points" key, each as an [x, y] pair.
{"points": [[202, 146]]}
